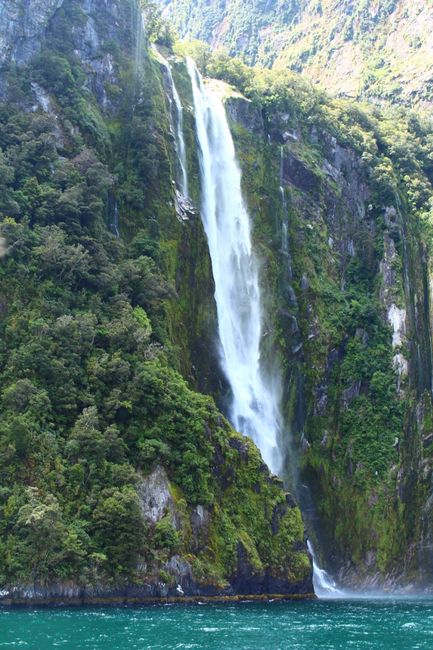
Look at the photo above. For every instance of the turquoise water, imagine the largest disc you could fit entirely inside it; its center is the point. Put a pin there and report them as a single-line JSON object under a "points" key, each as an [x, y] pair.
{"points": [[347, 625]]}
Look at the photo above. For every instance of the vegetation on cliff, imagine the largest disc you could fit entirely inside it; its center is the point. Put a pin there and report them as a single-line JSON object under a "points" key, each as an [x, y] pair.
{"points": [[106, 299], [371, 48], [349, 306], [91, 398]]}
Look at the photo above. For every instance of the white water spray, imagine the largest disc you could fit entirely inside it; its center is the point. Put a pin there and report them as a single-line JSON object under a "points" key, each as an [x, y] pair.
{"points": [[255, 403], [324, 585], [176, 117]]}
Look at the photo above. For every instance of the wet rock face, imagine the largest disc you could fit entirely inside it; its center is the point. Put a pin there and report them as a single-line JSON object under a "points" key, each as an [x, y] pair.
{"points": [[345, 167], [106, 21], [200, 521], [341, 231], [22, 27], [298, 174], [155, 498], [243, 112]]}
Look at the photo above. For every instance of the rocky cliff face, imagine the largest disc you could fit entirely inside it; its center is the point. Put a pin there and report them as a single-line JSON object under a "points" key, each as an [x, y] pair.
{"points": [[22, 27], [348, 271], [26, 26]]}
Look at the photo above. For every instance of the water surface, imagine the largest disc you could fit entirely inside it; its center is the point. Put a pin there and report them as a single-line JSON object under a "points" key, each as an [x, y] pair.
{"points": [[333, 625]]}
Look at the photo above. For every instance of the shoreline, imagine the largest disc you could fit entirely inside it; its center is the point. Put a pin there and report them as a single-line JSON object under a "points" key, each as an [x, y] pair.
{"points": [[119, 601]]}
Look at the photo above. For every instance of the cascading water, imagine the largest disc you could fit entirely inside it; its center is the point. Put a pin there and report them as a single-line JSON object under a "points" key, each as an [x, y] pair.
{"points": [[138, 27], [115, 222], [255, 402], [324, 585], [176, 117], [285, 249]]}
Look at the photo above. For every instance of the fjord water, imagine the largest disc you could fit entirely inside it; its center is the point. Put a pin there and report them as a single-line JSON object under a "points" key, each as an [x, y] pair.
{"points": [[328, 625], [255, 404]]}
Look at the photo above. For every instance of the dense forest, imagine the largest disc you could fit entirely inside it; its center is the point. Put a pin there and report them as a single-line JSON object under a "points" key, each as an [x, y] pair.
{"points": [[361, 48]]}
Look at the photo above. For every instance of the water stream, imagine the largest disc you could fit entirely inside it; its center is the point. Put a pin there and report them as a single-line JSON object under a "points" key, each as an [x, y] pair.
{"points": [[115, 221], [285, 221], [324, 585], [176, 121], [255, 409]]}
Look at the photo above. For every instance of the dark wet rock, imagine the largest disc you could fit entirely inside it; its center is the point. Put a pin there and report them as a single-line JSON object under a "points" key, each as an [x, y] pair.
{"points": [[350, 394], [427, 441], [185, 209], [200, 521], [246, 114], [241, 447], [297, 173]]}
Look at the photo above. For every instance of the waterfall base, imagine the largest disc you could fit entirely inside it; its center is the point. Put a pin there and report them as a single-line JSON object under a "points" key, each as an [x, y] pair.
{"points": [[324, 585]]}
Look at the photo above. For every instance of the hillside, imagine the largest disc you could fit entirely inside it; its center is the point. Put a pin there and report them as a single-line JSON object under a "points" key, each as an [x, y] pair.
{"points": [[118, 482], [376, 48], [121, 477]]}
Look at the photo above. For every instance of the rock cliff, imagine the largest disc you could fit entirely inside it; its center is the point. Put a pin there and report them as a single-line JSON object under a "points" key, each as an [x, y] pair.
{"points": [[348, 274]]}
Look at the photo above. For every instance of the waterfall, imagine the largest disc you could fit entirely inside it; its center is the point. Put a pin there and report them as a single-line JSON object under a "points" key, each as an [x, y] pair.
{"points": [[285, 249], [115, 222], [324, 585], [137, 26], [255, 402], [176, 121]]}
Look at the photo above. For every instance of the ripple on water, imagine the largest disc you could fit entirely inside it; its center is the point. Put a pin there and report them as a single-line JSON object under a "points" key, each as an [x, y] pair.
{"points": [[277, 626]]}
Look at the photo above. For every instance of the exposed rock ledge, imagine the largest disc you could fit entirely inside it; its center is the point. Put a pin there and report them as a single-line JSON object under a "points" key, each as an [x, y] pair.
{"points": [[66, 595]]}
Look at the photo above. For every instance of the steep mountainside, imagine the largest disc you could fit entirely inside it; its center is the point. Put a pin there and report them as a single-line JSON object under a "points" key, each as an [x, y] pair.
{"points": [[380, 48], [342, 200], [118, 482]]}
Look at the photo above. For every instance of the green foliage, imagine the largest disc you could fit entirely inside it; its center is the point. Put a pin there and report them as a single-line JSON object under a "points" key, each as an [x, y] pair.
{"points": [[356, 48], [158, 29], [91, 400], [166, 536], [119, 529]]}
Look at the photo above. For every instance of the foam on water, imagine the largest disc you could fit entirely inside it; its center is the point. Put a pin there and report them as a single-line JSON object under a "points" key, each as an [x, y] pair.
{"points": [[328, 625]]}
